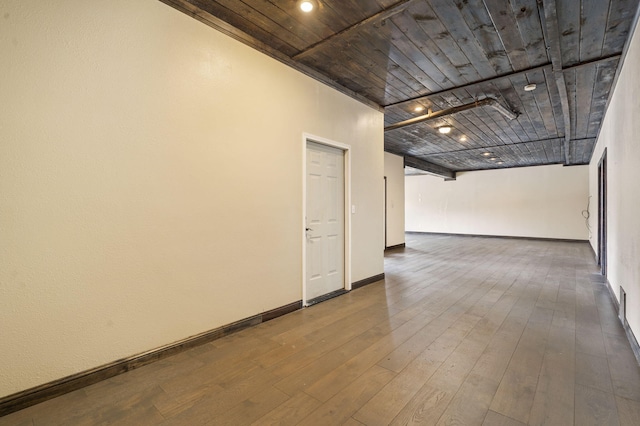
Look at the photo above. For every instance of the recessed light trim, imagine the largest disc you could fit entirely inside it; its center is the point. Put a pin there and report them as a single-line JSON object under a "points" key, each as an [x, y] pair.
{"points": [[444, 129], [530, 87]]}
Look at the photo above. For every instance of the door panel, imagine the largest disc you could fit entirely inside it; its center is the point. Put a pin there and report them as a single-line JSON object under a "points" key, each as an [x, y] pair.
{"points": [[324, 220]]}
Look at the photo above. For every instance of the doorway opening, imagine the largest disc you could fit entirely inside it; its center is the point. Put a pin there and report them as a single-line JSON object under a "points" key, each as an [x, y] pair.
{"points": [[386, 226], [602, 213]]}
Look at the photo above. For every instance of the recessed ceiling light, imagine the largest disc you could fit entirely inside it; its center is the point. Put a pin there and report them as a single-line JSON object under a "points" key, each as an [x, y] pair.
{"points": [[486, 154], [419, 108], [492, 158], [463, 138], [444, 129], [530, 87], [306, 6], [500, 162]]}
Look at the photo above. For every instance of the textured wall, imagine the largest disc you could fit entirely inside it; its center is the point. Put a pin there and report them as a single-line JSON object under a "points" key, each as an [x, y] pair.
{"points": [[151, 182], [620, 135], [541, 202], [394, 172]]}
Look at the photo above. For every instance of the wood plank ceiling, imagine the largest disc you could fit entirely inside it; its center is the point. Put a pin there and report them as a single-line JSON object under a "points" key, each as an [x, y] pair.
{"points": [[412, 57]]}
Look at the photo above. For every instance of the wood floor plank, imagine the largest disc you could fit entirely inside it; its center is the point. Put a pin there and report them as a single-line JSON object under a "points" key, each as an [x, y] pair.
{"points": [[251, 382], [387, 403], [170, 405], [426, 407], [623, 367], [342, 405], [628, 411], [495, 419], [593, 371], [463, 330], [324, 337], [590, 342], [290, 412], [554, 402], [516, 392], [353, 422], [594, 407], [342, 348], [310, 373], [470, 405], [340, 377], [252, 408]]}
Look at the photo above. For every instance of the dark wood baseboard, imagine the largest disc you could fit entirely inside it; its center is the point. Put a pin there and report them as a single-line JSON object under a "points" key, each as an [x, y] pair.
{"points": [[444, 234], [397, 246], [38, 394], [282, 310], [367, 281], [631, 337]]}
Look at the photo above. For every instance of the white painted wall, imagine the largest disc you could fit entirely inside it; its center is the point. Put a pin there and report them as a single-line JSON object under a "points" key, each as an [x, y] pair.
{"points": [[541, 202], [620, 135], [394, 172], [151, 182]]}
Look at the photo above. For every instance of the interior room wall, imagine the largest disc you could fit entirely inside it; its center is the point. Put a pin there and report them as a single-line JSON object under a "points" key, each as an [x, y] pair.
{"points": [[151, 182], [394, 172], [620, 135], [539, 202]]}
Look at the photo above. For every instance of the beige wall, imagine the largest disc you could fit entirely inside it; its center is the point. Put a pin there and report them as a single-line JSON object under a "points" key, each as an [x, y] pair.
{"points": [[151, 182], [620, 135], [394, 172], [541, 202]]}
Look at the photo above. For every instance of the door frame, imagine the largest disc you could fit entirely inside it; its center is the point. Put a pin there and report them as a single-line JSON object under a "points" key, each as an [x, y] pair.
{"points": [[602, 213], [346, 149], [386, 218]]}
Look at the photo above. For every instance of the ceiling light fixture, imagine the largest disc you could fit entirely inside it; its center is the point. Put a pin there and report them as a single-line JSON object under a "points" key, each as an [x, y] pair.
{"points": [[500, 162], [306, 6], [493, 158], [486, 154], [419, 108], [444, 129], [530, 87], [463, 138]]}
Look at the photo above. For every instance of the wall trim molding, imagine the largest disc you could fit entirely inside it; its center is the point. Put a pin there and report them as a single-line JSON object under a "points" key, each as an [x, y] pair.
{"points": [[397, 246], [512, 237], [635, 347], [367, 281], [38, 394]]}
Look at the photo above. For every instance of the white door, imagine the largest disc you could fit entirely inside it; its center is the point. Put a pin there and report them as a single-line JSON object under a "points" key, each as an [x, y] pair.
{"points": [[324, 220]]}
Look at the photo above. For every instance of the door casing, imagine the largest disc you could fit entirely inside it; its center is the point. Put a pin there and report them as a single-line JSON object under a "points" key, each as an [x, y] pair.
{"points": [[602, 214], [306, 137]]}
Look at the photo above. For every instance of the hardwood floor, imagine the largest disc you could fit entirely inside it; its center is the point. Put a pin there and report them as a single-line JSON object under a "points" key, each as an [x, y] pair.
{"points": [[465, 331]]}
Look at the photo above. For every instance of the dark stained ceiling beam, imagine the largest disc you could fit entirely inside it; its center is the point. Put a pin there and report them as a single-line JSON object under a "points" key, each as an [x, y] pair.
{"points": [[552, 40], [507, 76], [490, 147], [430, 168], [470, 85], [602, 60], [387, 13]]}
